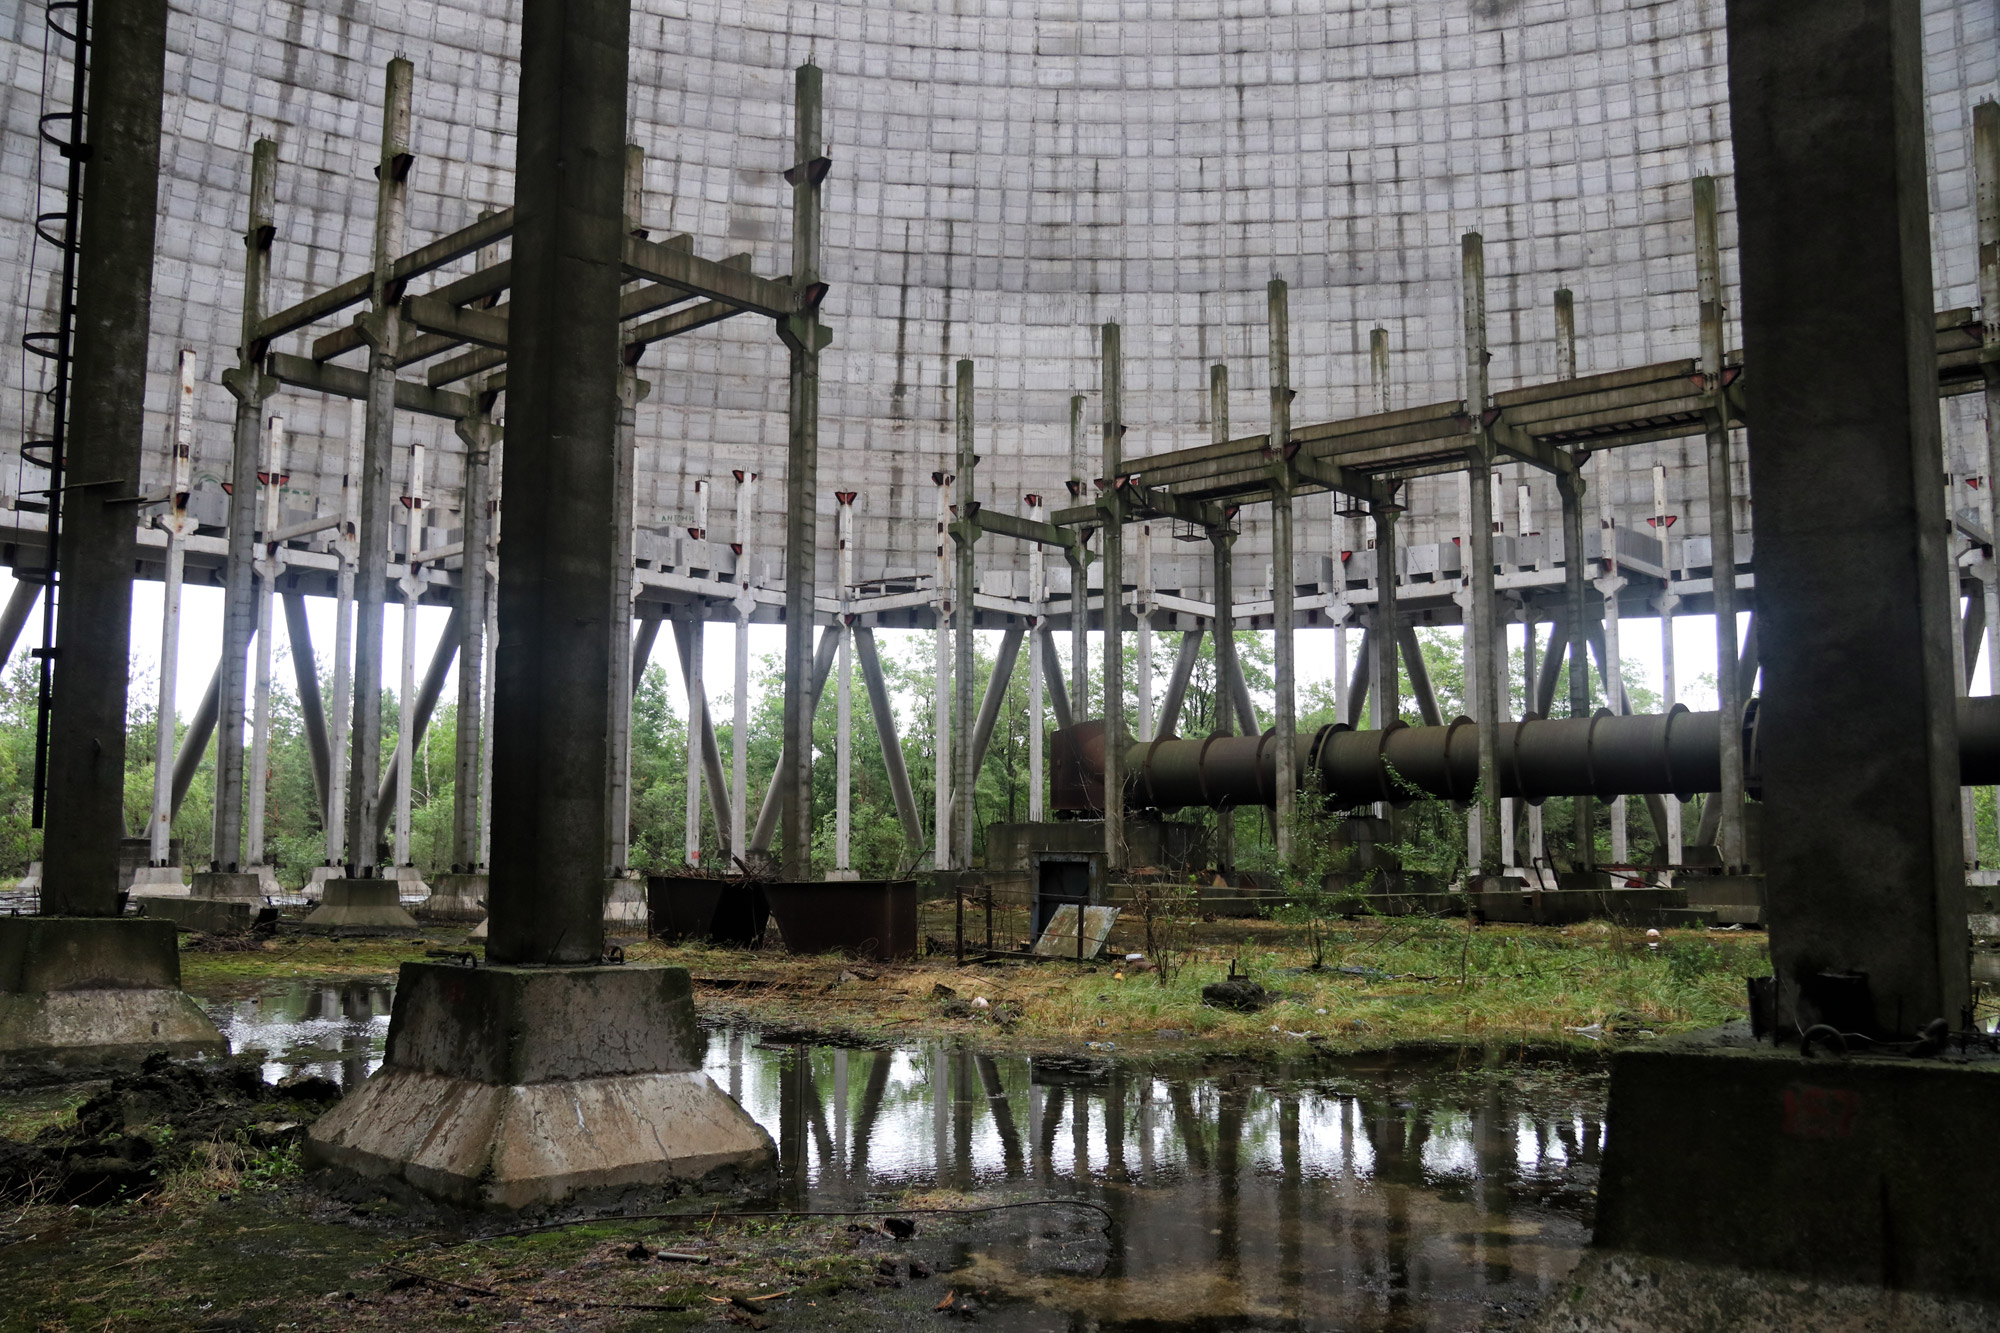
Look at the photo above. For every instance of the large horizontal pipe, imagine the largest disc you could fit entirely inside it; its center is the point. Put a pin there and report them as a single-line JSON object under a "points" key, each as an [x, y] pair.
{"points": [[1602, 756]]}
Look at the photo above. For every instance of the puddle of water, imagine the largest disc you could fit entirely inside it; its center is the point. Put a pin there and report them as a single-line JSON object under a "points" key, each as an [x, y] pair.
{"points": [[1364, 1194]]}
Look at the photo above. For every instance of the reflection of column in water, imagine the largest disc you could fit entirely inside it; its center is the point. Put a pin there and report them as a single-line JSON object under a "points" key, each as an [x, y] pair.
{"points": [[1114, 1127], [1146, 1131], [871, 1106], [1002, 1112], [1228, 1179], [1079, 1136], [1493, 1140], [815, 1110], [1052, 1114], [1188, 1124], [1291, 1191], [940, 1087], [357, 1002], [961, 1118], [839, 1163], [791, 1128], [1398, 1141], [736, 1066], [1038, 1163]]}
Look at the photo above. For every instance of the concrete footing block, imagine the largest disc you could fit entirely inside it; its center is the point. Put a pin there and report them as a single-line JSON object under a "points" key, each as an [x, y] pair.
{"points": [[1857, 1168], [360, 905], [459, 896], [519, 1088], [210, 916], [625, 903], [478, 932], [242, 885], [158, 882], [410, 884], [80, 995]]}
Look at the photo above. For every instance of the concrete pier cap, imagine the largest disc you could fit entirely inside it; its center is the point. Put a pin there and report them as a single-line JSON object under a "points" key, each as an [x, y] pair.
{"points": [[543, 1087], [81, 995]]}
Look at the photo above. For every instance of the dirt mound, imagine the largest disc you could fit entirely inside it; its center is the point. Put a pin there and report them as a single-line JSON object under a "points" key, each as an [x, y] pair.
{"points": [[145, 1125]]}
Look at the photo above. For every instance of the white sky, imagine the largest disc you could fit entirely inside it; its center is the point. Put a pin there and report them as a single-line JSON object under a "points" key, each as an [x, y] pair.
{"points": [[201, 636]]}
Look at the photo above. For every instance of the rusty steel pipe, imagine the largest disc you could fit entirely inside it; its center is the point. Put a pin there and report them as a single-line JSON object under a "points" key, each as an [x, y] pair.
{"points": [[1607, 755]]}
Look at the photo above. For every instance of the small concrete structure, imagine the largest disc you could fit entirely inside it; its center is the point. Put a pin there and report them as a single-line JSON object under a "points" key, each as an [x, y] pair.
{"points": [[210, 916], [513, 1088], [625, 903], [360, 905], [410, 886], [240, 885], [158, 882], [458, 896], [32, 881], [83, 994]]}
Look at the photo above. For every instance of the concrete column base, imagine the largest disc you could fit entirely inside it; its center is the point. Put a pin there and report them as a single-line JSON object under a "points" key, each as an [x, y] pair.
{"points": [[409, 883], [478, 932], [81, 995], [243, 885], [360, 904], [321, 874], [158, 882], [625, 903], [513, 1088], [460, 896], [1858, 1169], [32, 881]]}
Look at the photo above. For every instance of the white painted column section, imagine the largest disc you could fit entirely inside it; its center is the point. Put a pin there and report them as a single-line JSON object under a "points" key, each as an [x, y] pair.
{"points": [[412, 587], [739, 740], [1038, 594], [267, 565], [176, 524], [941, 704]]}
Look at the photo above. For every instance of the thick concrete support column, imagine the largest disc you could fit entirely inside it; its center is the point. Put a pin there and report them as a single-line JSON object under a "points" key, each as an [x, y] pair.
{"points": [[1609, 584], [941, 737], [251, 389], [1142, 613], [107, 397], [417, 719], [843, 741], [739, 723], [618, 766], [804, 335], [178, 527], [411, 585], [1223, 540], [256, 782], [383, 327], [965, 535], [558, 490], [1485, 683], [1038, 596], [1112, 502], [478, 434], [1079, 570], [1284, 565], [1864, 876], [1721, 520], [1388, 687], [1577, 622], [346, 550], [1669, 677]]}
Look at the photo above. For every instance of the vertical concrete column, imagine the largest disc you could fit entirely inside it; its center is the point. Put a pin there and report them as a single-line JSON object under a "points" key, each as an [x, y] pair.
{"points": [[1142, 610], [1986, 173], [1576, 577], [1663, 525], [1864, 876], [843, 736], [1284, 564], [804, 337], [739, 739], [97, 547], [493, 465], [558, 490], [1961, 668], [618, 772], [1079, 566], [383, 327], [1388, 685], [478, 434], [1531, 632], [941, 840], [346, 550], [251, 388], [305, 677], [1112, 501], [1038, 599], [965, 532], [697, 623], [257, 780], [1721, 522], [1222, 539], [1485, 682], [412, 588], [1610, 582], [178, 527]]}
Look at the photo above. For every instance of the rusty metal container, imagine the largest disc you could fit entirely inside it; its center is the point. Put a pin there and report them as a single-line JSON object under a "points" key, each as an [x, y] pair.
{"points": [[864, 918], [706, 907]]}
